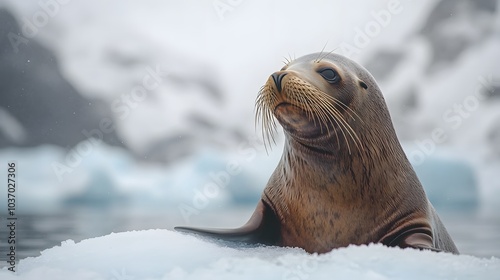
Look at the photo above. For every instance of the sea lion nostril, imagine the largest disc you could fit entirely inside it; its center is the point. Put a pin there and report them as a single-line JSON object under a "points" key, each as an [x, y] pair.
{"points": [[277, 78]]}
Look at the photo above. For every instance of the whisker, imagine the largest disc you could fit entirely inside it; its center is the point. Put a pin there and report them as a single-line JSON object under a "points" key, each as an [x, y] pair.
{"points": [[340, 103], [286, 60], [318, 59], [264, 115], [347, 126], [321, 108], [336, 116], [327, 54], [358, 141], [324, 106], [328, 119]]}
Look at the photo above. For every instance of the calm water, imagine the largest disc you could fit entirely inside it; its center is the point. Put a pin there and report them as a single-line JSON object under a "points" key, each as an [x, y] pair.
{"points": [[473, 234]]}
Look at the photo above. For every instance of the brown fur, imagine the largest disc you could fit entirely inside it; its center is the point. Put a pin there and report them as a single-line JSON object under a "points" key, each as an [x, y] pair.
{"points": [[329, 196], [343, 177]]}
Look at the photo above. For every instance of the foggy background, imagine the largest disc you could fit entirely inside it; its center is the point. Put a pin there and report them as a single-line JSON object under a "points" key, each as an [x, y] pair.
{"points": [[124, 115]]}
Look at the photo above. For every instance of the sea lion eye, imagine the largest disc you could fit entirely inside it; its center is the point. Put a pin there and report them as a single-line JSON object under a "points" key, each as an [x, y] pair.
{"points": [[329, 75]]}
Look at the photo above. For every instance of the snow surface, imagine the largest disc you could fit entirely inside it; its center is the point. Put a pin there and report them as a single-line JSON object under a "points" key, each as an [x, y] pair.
{"points": [[164, 254]]}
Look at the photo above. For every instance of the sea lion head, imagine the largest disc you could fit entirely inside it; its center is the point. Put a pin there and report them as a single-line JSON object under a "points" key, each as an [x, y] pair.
{"points": [[321, 101]]}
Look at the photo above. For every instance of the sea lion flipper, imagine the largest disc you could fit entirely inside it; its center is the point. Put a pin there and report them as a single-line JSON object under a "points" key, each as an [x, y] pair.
{"points": [[419, 240], [262, 227]]}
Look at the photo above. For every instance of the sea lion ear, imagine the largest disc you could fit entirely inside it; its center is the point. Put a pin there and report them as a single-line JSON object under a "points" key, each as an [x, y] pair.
{"points": [[262, 228], [363, 84]]}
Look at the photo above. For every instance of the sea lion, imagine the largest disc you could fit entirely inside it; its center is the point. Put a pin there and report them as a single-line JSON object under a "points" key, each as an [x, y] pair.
{"points": [[343, 177]]}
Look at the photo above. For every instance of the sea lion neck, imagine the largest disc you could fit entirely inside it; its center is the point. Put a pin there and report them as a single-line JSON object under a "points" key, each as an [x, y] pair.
{"points": [[311, 150], [354, 168], [300, 158]]}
